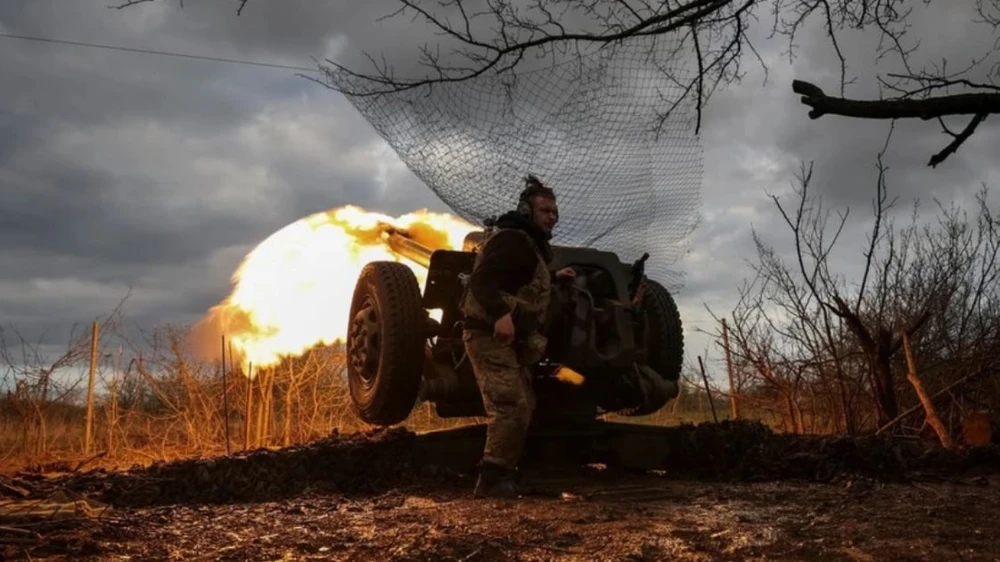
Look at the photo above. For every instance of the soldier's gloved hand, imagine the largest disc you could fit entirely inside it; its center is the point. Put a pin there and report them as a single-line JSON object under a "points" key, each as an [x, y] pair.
{"points": [[503, 329]]}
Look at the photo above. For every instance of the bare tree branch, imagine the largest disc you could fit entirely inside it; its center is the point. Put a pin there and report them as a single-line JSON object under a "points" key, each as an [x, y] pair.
{"points": [[502, 35], [127, 3], [929, 108], [979, 104], [957, 142]]}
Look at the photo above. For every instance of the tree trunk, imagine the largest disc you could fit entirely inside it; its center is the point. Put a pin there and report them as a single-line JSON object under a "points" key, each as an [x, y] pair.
{"points": [[845, 405], [790, 413], [885, 392], [878, 350], [930, 412]]}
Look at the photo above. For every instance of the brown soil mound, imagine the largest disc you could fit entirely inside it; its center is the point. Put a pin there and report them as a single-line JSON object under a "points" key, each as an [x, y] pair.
{"points": [[376, 461], [361, 463], [750, 451]]}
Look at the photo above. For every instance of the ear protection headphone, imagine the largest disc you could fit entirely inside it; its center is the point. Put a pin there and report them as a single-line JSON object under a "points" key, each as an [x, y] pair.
{"points": [[524, 207], [533, 187]]}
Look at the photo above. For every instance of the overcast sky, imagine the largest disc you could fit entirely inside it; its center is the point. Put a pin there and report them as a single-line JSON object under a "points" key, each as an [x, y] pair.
{"points": [[124, 169]]}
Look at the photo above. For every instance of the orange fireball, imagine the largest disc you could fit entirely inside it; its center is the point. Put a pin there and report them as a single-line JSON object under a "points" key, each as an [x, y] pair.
{"points": [[293, 291]]}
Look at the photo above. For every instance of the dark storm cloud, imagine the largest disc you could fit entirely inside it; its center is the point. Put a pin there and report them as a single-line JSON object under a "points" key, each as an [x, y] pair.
{"points": [[53, 203], [71, 86], [121, 169]]}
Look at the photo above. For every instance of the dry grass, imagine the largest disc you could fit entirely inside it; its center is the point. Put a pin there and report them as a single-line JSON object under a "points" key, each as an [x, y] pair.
{"points": [[162, 404], [156, 402]]}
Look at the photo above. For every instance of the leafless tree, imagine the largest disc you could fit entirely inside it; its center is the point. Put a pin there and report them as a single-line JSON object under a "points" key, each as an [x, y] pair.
{"points": [[43, 382], [505, 36], [805, 324], [766, 354]]}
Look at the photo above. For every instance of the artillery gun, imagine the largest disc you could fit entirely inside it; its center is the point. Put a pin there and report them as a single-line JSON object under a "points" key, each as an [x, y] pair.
{"points": [[615, 338]]}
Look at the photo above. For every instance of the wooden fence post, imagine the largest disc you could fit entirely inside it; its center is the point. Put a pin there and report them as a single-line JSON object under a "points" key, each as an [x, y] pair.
{"points": [[87, 444], [247, 414], [225, 393], [708, 390], [734, 411]]}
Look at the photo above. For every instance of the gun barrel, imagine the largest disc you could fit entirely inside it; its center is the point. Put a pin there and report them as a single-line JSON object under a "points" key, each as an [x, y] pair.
{"points": [[409, 248]]}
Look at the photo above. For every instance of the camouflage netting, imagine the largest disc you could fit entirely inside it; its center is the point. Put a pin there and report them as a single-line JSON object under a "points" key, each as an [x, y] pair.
{"points": [[590, 127]]}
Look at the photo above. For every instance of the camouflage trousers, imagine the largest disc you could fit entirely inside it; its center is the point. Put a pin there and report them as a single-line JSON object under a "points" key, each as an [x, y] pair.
{"points": [[508, 397]]}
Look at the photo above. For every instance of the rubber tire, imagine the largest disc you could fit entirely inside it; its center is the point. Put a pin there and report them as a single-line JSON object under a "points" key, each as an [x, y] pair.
{"points": [[667, 356], [396, 293], [666, 344]]}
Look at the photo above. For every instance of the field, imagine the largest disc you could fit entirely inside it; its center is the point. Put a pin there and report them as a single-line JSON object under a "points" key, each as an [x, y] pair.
{"points": [[862, 432], [726, 491], [303, 480]]}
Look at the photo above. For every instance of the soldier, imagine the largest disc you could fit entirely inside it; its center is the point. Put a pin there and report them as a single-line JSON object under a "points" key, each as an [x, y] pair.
{"points": [[504, 310]]}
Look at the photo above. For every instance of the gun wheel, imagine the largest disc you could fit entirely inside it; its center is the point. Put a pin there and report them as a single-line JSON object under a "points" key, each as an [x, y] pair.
{"points": [[384, 352], [664, 338]]}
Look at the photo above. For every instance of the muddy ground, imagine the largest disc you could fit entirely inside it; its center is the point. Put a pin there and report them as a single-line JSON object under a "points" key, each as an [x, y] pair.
{"points": [[722, 492]]}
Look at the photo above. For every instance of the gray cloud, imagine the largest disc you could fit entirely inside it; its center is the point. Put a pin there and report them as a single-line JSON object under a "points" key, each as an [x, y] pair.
{"points": [[122, 169]]}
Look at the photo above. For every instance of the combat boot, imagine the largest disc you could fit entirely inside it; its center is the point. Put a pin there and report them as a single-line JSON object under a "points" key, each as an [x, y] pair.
{"points": [[496, 481]]}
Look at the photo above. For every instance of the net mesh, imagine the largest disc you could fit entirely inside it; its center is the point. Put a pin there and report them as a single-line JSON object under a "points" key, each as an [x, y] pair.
{"points": [[591, 128]]}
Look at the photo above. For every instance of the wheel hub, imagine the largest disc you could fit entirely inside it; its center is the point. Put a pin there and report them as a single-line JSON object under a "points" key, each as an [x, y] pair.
{"points": [[364, 344]]}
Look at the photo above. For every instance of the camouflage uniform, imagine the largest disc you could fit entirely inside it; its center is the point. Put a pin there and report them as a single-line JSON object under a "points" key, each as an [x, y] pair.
{"points": [[502, 370]]}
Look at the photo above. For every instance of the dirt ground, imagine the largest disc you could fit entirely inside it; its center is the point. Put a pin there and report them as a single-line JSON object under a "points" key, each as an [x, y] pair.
{"points": [[375, 498]]}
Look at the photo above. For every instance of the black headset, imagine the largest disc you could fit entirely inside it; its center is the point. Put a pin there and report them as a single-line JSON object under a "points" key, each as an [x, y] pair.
{"points": [[533, 187], [524, 207]]}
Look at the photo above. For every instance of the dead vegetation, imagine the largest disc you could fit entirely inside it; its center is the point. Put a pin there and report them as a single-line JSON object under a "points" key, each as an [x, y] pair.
{"points": [[156, 401], [909, 345]]}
